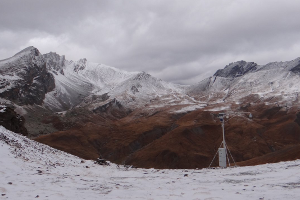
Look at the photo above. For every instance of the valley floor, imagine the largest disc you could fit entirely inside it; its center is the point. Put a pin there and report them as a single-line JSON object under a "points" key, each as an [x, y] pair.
{"points": [[31, 170]]}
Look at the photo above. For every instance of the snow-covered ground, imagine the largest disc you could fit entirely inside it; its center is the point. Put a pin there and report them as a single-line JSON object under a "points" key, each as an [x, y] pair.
{"points": [[31, 170]]}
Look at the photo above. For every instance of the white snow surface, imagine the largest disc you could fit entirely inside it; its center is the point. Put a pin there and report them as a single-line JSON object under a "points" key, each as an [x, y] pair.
{"points": [[2, 108], [218, 108], [31, 170], [189, 108]]}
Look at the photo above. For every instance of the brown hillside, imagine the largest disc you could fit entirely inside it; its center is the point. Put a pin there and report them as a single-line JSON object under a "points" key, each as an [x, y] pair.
{"points": [[286, 154], [165, 140]]}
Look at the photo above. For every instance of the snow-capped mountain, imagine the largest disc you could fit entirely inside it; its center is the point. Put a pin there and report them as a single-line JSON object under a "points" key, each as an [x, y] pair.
{"points": [[24, 78], [74, 81], [59, 84], [71, 83], [274, 82]]}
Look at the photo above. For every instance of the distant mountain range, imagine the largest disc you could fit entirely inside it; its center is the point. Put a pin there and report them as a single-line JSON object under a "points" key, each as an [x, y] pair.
{"points": [[55, 83], [93, 109]]}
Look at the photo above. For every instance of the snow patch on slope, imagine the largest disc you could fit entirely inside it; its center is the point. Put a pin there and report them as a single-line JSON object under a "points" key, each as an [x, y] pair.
{"points": [[32, 170]]}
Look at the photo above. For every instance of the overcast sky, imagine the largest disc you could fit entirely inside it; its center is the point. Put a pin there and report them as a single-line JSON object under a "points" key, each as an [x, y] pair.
{"points": [[182, 41]]}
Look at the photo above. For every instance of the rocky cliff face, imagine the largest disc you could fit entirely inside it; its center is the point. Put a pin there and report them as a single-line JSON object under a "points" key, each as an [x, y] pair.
{"points": [[54, 62], [24, 78], [235, 69], [296, 69], [12, 121]]}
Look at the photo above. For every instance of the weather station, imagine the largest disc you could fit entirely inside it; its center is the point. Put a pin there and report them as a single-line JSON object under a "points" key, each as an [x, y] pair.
{"points": [[223, 150]]}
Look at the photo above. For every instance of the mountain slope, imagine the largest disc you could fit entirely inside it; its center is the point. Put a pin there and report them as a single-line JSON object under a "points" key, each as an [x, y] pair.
{"points": [[233, 83], [94, 110], [82, 82], [31, 170]]}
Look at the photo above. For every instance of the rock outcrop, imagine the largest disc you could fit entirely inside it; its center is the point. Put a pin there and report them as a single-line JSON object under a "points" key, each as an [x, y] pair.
{"points": [[12, 121], [24, 78]]}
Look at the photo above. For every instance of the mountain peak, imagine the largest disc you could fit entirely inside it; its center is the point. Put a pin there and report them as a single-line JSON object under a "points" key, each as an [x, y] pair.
{"points": [[141, 76], [235, 69], [28, 54], [29, 50], [80, 65], [54, 62]]}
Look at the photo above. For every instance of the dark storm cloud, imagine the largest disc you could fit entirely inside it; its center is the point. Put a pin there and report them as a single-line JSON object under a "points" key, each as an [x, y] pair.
{"points": [[178, 41]]}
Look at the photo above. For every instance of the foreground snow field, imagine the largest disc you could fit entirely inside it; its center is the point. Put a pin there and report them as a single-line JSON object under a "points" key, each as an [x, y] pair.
{"points": [[31, 170]]}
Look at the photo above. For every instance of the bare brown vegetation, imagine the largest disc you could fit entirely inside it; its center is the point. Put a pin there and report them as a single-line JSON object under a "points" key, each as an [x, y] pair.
{"points": [[165, 140]]}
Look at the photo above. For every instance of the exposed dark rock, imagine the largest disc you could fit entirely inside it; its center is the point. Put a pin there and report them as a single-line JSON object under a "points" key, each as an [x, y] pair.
{"points": [[113, 108], [102, 97], [134, 89], [80, 65], [105, 107], [296, 69], [33, 80], [142, 76], [101, 161], [297, 120], [12, 121], [239, 68], [54, 62]]}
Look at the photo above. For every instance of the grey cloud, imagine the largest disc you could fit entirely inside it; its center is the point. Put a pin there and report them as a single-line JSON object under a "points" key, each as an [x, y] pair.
{"points": [[50, 16], [178, 41]]}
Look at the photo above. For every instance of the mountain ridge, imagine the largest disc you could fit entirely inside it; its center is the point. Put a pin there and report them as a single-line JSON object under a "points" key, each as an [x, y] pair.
{"points": [[93, 110], [76, 80]]}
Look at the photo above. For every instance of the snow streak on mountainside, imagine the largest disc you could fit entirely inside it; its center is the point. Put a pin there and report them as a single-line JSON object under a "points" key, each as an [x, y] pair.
{"points": [[31, 170]]}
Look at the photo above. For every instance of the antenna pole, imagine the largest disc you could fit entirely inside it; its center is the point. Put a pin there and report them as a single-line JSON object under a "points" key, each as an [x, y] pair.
{"points": [[224, 144], [222, 151]]}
